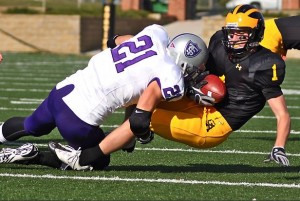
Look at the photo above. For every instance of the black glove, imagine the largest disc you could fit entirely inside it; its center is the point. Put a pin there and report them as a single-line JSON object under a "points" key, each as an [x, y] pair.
{"points": [[195, 94], [146, 139], [278, 155], [194, 79], [193, 87]]}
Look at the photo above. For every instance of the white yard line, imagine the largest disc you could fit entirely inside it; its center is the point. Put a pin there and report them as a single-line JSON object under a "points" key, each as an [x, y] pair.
{"points": [[159, 180], [116, 125], [210, 151], [30, 63], [181, 150], [24, 90]]}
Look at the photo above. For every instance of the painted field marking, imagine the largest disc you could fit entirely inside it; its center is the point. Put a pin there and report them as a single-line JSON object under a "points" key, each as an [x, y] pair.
{"points": [[160, 180]]}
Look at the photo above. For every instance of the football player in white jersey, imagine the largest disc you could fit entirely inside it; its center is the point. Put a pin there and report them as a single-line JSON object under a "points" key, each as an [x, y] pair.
{"points": [[143, 69]]}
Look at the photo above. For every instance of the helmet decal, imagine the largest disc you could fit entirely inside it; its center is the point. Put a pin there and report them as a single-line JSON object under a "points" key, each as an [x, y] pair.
{"points": [[191, 49], [172, 45]]}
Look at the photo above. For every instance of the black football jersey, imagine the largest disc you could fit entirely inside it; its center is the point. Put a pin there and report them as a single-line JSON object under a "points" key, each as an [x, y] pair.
{"points": [[249, 82]]}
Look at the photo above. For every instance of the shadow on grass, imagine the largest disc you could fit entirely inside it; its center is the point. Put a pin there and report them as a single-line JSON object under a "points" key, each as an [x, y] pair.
{"points": [[189, 168]]}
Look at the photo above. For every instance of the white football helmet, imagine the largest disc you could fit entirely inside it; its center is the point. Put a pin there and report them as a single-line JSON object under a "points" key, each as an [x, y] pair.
{"points": [[189, 52]]}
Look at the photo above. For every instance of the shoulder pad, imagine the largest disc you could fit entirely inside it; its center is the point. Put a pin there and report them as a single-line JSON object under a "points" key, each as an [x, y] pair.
{"points": [[265, 60]]}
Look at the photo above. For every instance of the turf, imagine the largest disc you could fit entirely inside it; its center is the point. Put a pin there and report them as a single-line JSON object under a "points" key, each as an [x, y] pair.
{"points": [[161, 170]]}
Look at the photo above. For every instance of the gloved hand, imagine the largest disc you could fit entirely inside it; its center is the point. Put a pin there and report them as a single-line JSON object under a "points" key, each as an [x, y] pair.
{"points": [[146, 139], [193, 87], [278, 155], [194, 93], [194, 79]]}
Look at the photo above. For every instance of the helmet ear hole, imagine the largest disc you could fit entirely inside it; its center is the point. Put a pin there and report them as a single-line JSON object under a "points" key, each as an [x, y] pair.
{"points": [[184, 68]]}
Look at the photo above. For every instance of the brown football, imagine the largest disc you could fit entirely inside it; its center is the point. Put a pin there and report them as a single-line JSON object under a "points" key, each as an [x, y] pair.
{"points": [[215, 88]]}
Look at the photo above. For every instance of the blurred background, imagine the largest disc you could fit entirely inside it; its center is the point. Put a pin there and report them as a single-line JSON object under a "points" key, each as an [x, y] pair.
{"points": [[83, 26]]}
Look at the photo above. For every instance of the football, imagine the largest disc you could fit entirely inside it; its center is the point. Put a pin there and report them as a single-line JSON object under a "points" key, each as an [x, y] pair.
{"points": [[215, 88]]}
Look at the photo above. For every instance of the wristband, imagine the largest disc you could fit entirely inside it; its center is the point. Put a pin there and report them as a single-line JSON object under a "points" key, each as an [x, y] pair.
{"points": [[111, 43]]}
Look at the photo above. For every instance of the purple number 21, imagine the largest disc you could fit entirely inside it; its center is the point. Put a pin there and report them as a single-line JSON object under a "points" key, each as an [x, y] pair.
{"points": [[117, 56]]}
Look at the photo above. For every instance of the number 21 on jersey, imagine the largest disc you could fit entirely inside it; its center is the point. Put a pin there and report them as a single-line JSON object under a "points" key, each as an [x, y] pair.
{"points": [[134, 49], [139, 52]]}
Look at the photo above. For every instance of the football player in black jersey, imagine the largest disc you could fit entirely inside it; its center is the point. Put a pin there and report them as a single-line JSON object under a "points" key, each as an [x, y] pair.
{"points": [[282, 34], [253, 75]]}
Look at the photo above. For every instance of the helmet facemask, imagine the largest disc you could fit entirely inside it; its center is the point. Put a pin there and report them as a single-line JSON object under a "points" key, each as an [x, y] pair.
{"points": [[190, 72], [244, 44]]}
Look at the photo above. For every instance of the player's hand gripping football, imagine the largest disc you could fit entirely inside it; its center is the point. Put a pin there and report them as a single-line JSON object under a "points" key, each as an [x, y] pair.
{"points": [[197, 77], [278, 155], [193, 91]]}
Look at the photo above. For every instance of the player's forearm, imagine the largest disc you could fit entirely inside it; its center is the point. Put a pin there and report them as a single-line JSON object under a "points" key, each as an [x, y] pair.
{"points": [[282, 115], [283, 129], [116, 140]]}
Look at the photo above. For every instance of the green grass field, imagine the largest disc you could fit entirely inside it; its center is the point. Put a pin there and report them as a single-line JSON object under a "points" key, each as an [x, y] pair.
{"points": [[161, 170]]}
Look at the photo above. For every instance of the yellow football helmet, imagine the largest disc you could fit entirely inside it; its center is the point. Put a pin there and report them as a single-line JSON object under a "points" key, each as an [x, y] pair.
{"points": [[247, 23]]}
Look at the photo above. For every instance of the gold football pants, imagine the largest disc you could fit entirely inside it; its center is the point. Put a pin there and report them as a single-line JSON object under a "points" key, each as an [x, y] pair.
{"points": [[186, 122]]}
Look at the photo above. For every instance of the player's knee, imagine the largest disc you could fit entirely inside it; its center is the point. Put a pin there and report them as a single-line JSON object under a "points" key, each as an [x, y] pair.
{"points": [[140, 122], [37, 127], [212, 142]]}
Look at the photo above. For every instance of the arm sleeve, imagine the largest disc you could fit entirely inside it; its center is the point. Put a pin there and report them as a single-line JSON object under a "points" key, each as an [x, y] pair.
{"points": [[270, 78]]}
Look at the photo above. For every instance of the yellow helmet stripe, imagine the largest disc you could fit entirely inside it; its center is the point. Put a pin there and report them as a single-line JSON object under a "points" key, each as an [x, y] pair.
{"points": [[241, 19], [236, 9], [252, 10]]}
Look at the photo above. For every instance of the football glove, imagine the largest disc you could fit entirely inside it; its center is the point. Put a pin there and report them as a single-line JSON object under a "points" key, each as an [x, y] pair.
{"points": [[195, 94], [278, 155], [194, 79], [146, 139]]}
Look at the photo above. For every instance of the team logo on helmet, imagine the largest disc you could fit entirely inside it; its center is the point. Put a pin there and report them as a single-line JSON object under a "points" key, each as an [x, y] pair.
{"points": [[191, 49]]}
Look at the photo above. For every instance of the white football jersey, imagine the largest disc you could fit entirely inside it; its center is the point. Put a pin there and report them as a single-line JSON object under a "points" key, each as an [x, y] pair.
{"points": [[117, 77]]}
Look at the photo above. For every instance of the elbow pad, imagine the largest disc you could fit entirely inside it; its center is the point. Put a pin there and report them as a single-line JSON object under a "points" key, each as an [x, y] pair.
{"points": [[139, 122]]}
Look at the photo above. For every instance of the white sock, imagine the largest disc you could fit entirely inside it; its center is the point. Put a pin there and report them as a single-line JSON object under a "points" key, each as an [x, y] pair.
{"points": [[2, 139]]}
